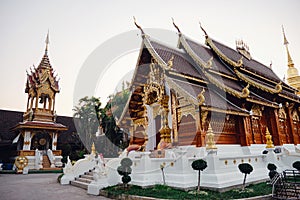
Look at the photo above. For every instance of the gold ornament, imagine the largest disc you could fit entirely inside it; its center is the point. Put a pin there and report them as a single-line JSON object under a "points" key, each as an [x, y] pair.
{"points": [[21, 162], [210, 144], [269, 139]]}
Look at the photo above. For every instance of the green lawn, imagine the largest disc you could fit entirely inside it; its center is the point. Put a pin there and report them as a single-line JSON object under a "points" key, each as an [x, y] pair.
{"points": [[165, 192]]}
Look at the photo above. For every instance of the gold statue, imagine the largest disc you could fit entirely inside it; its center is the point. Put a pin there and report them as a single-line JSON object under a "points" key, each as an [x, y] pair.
{"points": [[269, 139], [210, 144]]}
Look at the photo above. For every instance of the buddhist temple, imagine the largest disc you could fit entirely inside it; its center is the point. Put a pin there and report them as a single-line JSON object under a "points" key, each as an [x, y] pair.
{"points": [[39, 130], [208, 101], [293, 77], [189, 87]]}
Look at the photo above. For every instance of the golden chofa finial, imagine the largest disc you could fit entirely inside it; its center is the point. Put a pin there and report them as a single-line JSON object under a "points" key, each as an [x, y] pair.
{"points": [[205, 34], [269, 141], [210, 143], [176, 26], [93, 149], [138, 26]]}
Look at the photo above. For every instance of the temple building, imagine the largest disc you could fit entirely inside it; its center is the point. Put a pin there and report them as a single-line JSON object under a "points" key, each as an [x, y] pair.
{"points": [[177, 92], [194, 101], [39, 131], [293, 77]]}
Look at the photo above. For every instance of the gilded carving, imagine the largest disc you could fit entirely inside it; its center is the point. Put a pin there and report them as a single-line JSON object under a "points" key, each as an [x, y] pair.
{"points": [[295, 115], [203, 117], [170, 63], [201, 97], [256, 110], [281, 113]]}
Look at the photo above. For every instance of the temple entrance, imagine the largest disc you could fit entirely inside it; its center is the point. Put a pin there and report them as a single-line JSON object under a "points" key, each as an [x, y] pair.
{"points": [[41, 141]]}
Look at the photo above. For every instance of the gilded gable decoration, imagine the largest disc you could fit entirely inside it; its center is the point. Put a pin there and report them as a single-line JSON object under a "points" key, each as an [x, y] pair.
{"points": [[281, 113], [295, 115], [256, 110], [243, 49], [201, 97], [154, 89]]}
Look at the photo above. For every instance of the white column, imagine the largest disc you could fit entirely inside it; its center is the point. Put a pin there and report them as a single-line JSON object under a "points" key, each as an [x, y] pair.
{"points": [[27, 140], [151, 129], [54, 141]]}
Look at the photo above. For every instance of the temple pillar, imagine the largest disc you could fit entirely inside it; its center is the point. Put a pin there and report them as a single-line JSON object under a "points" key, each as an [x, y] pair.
{"points": [[246, 136], [50, 104], [274, 121], [54, 141], [198, 128], [27, 140], [151, 129]]}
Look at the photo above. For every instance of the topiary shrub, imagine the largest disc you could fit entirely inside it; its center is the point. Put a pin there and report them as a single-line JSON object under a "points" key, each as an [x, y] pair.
{"points": [[124, 170], [199, 165], [272, 168], [296, 165], [245, 168]]}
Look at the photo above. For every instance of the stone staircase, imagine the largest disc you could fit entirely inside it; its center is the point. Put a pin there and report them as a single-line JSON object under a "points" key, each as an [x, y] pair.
{"points": [[84, 180], [46, 162], [286, 185]]}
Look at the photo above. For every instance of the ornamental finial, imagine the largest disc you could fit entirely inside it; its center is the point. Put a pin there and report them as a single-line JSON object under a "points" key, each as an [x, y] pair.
{"points": [[203, 30], [138, 26], [176, 26], [47, 42], [285, 42]]}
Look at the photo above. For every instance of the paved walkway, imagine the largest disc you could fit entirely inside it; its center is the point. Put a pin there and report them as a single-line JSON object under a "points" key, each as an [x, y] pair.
{"points": [[39, 187]]}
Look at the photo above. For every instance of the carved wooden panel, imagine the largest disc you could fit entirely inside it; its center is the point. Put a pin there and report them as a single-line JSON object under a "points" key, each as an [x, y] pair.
{"points": [[256, 130], [187, 131]]}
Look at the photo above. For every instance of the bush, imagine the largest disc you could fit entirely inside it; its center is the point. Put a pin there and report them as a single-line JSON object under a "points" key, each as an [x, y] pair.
{"points": [[124, 170], [271, 167], [245, 168], [296, 165], [199, 165]]}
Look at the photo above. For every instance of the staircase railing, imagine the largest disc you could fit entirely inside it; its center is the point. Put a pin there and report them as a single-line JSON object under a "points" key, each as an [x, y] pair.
{"points": [[286, 185], [38, 159], [51, 158]]}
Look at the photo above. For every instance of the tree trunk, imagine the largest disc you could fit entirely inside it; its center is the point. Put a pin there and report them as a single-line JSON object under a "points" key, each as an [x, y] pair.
{"points": [[198, 189], [244, 181]]}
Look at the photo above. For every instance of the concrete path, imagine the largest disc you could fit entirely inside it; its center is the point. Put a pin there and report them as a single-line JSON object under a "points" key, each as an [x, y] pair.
{"points": [[39, 187]]}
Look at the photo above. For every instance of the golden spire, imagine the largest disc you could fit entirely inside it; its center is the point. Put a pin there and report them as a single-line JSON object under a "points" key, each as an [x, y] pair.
{"points": [[47, 43], [93, 149], [285, 42]]}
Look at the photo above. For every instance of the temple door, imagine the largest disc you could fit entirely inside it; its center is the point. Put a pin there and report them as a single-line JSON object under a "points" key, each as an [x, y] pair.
{"points": [[284, 137], [257, 124], [296, 127]]}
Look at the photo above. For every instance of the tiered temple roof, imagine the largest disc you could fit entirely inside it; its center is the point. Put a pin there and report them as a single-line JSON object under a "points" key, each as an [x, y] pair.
{"points": [[228, 77]]}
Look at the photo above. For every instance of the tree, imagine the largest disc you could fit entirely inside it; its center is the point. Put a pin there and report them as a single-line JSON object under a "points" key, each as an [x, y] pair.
{"points": [[245, 168], [110, 114], [86, 119], [124, 170], [272, 168], [199, 165]]}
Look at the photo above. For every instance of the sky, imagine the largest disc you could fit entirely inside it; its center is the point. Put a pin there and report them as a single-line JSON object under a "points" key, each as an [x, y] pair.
{"points": [[78, 29]]}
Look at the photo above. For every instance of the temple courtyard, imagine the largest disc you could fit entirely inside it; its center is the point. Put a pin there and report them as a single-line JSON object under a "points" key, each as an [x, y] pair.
{"points": [[39, 186]]}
